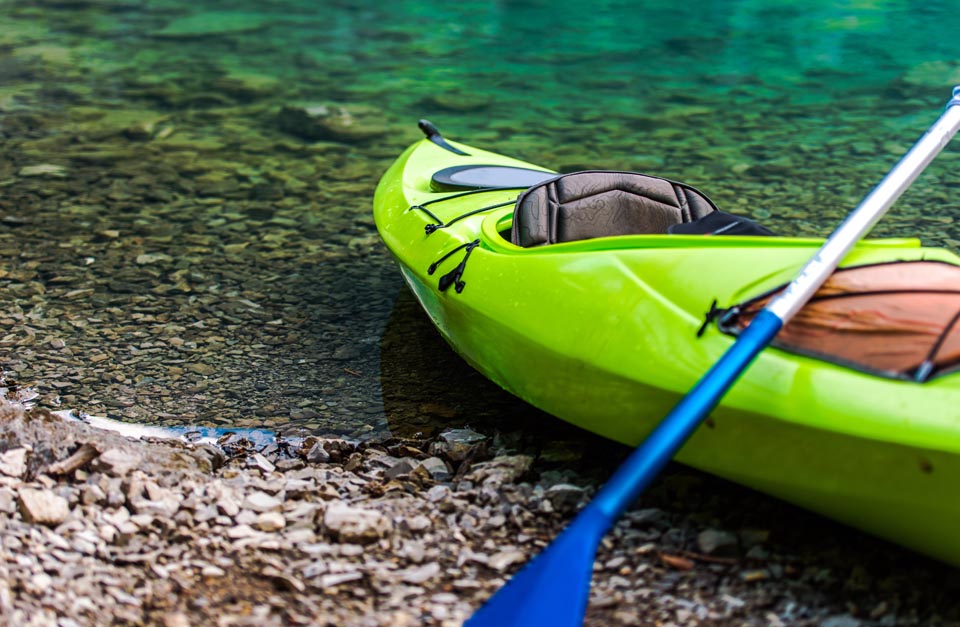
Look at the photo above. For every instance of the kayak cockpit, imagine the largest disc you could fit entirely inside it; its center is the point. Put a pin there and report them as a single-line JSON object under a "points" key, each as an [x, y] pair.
{"points": [[586, 205]]}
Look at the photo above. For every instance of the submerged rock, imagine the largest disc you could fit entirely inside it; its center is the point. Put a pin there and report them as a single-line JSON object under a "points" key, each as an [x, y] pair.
{"points": [[213, 24], [44, 169], [331, 122], [717, 542], [934, 74]]}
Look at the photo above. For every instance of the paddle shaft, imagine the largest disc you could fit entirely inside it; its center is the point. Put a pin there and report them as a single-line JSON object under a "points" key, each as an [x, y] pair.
{"points": [[643, 465]]}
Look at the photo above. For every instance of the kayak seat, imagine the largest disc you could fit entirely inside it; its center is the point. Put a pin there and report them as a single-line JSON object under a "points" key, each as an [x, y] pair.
{"points": [[584, 205]]}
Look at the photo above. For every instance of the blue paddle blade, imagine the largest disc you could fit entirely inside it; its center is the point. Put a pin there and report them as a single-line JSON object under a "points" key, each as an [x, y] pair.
{"points": [[552, 589]]}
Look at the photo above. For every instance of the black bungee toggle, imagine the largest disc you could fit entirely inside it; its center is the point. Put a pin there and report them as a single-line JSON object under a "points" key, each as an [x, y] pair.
{"points": [[714, 313], [433, 134], [454, 276]]}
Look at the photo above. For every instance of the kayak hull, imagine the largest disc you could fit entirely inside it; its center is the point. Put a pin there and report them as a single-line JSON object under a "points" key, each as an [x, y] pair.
{"points": [[603, 334]]}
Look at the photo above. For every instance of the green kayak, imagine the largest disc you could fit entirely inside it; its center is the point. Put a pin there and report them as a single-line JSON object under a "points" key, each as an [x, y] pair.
{"points": [[602, 297]]}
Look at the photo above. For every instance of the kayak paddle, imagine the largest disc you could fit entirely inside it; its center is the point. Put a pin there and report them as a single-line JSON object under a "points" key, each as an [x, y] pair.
{"points": [[552, 589]]}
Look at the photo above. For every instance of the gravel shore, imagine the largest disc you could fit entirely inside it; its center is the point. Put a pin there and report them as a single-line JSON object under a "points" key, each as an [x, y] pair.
{"points": [[102, 529]]}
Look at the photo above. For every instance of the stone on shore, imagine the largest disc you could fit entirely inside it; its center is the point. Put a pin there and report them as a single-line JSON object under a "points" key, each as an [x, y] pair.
{"points": [[43, 507], [355, 525], [13, 462]]}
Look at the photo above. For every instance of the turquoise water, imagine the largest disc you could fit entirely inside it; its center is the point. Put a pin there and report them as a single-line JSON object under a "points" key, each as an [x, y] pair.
{"points": [[163, 119]]}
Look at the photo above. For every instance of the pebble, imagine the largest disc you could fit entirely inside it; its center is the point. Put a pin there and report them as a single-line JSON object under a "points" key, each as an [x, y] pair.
{"points": [[355, 525], [419, 523], [13, 462], [261, 502], [505, 559], [842, 620], [8, 500], [564, 497], [717, 542], [456, 444], [401, 468], [420, 574], [116, 462], [270, 521], [43, 169], [329, 581], [435, 468], [261, 463], [43, 507]]}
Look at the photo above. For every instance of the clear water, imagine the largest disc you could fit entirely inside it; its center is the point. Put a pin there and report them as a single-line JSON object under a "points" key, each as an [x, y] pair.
{"points": [[787, 111]]}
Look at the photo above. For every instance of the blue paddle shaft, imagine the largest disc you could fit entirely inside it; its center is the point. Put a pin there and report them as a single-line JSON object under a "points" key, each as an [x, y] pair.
{"points": [[645, 463]]}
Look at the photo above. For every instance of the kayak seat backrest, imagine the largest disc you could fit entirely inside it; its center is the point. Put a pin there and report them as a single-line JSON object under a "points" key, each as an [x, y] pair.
{"points": [[584, 205]]}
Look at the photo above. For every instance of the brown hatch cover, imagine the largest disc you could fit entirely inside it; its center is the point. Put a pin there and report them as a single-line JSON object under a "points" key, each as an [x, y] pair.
{"points": [[899, 319]]}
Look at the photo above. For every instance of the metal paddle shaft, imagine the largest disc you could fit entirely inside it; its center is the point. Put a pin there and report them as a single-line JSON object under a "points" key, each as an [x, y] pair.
{"points": [[552, 590]]}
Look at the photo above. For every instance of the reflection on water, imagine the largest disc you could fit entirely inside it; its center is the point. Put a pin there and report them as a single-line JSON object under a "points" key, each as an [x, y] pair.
{"points": [[181, 242]]}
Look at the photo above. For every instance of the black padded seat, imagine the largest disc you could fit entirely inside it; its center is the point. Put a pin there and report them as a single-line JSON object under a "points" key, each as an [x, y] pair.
{"points": [[584, 205]]}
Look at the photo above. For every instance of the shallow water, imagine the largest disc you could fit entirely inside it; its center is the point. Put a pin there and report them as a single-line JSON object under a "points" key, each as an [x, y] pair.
{"points": [[173, 252]]}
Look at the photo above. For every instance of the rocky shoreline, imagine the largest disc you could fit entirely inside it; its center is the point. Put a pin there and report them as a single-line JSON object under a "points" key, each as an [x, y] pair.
{"points": [[103, 529]]}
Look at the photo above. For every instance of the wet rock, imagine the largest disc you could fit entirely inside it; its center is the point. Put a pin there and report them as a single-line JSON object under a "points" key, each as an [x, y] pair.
{"points": [[500, 470], [435, 468], [401, 468], [318, 454], [456, 444], [43, 507], [564, 497], [719, 543]]}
